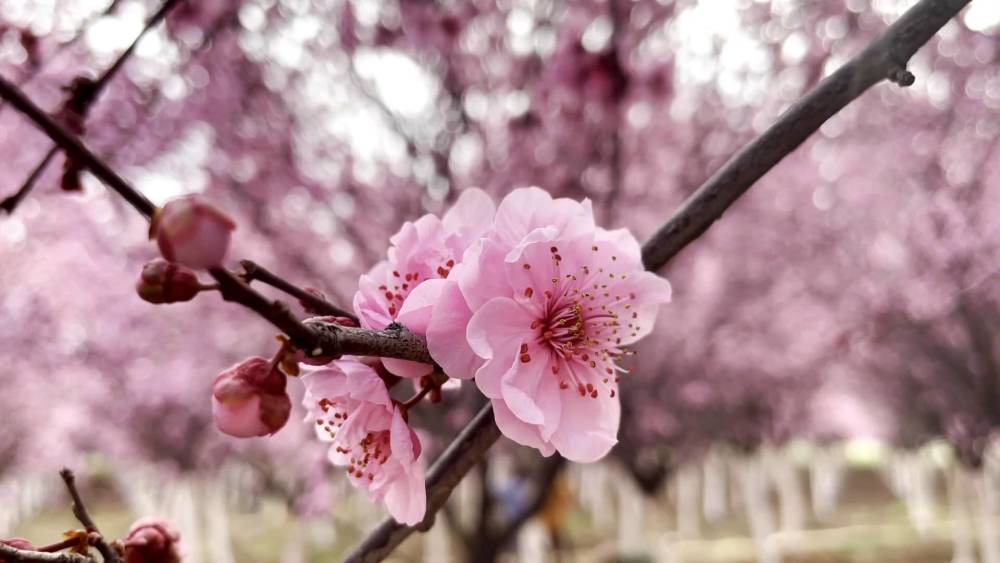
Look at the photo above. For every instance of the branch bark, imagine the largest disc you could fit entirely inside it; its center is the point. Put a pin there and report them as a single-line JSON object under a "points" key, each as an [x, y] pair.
{"points": [[80, 511], [885, 58], [83, 95], [254, 271]]}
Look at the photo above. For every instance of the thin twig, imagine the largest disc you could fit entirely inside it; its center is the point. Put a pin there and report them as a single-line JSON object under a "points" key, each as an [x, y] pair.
{"points": [[75, 148], [80, 511], [319, 339], [253, 271], [80, 32], [83, 96], [10, 203]]}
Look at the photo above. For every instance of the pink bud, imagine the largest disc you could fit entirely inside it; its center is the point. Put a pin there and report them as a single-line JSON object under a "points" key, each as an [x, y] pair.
{"points": [[165, 282], [192, 232], [17, 543], [151, 540], [249, 399]]}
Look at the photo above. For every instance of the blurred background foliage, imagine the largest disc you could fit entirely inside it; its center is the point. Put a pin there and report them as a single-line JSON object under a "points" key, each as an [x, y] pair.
{"points": [[825, 386]]}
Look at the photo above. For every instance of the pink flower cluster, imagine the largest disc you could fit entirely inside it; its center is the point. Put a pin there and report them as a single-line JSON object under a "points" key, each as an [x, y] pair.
{"points": [[350, 406], [533, 301], [530, 298]]}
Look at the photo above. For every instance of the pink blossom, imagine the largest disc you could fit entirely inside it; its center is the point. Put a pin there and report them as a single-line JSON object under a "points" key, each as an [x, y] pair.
{"points": [[369, 435], [167, 282], [249, 399], [192, 232], [151, 540], [539, 313], [425, 249]]}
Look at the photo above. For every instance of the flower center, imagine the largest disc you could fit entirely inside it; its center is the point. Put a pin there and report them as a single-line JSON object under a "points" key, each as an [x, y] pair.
{"points": [[368, 456], [581, 321], [563, 330], [399, 286]]}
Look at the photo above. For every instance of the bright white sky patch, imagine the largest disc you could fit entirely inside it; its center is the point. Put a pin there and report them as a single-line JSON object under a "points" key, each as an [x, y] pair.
{"points": [[400, 82], [983, 15]]}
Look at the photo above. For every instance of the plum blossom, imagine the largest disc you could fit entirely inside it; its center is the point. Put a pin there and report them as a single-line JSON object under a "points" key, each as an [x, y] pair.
{"points": [[151, 540], [539, 313], [425, 249], [192, 232], [249, 399], [351, 409]]}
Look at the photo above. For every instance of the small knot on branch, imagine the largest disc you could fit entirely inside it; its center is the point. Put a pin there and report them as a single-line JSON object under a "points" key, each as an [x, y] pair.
{"points": [[901, 76]]}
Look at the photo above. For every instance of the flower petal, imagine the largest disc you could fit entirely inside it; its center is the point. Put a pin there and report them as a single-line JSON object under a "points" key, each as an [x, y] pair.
{"points": [[499, 327], [519, 387], [471, 216], [445, 333], [518, 431], [588, 428]]}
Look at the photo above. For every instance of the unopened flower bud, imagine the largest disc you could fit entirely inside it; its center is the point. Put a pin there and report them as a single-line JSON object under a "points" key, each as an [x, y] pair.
{"points": [[166, 282], [192, 232], [151, 540], [249, 399]]}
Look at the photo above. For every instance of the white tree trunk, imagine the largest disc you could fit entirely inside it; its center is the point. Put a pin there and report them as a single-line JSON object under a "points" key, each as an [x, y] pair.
{"points": [[760, 514], [688, 483], [791, 501], [958, 501], [715, 487]]}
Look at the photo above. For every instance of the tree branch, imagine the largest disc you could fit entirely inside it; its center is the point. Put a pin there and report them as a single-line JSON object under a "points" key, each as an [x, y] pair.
{"points": [[254, 271], [75, 148], [328, 340], [886, 55], [80, 511], [82, 97], [885, 58], [14, 555]]}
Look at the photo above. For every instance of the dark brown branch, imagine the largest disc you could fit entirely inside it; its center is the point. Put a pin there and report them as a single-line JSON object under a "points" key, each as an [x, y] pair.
{"points": [[83, 95], [75, 148], [886, 55], [328, 340], [14, 555], [80, 32], [883, 59], [80, 511], [10, 203], [394, 341], [255, 272]]}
